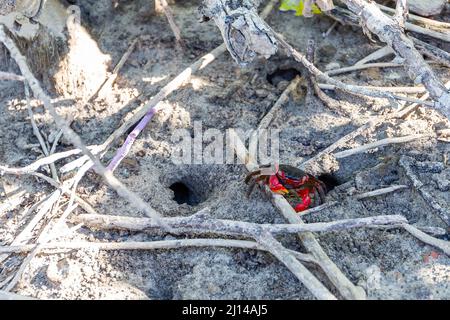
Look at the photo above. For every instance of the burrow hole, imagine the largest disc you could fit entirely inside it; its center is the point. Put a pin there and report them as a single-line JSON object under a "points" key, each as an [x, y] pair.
{"points": [[183, 194], [330, 181], [282, 74]]}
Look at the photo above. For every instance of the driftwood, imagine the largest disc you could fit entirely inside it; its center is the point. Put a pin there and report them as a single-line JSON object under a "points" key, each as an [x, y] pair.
{"points": [[203, 223], [245, 34]]}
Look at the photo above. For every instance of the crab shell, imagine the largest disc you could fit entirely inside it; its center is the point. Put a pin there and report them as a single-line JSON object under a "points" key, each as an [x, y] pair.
{"points": [[276, 187]]}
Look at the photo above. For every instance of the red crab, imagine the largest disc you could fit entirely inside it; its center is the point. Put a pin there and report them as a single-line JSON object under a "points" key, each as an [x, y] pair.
{"points": [[300, 189]]}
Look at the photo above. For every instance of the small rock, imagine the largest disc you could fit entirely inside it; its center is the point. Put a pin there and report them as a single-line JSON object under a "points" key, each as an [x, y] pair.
{"points": [[261, 93]]}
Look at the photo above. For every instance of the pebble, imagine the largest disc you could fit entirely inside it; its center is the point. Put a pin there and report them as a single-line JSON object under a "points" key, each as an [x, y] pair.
{"points": [[261, 93]]}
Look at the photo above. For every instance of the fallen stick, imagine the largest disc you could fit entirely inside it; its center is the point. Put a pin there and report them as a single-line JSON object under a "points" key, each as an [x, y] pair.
{"points": [[48, 208], [427, 22], [390, 33], [10, 76], [170, 18], [379, 143], [50, 232], [401, 13], [342, 141], [407, 110], [358, 90], [37, 133], [347, 17], [330, 29], [378, 54], [107, 84], [324, 206], [313, 86], [405, 162], [370, 124], [443, 245], [64, 188], [30, 226], [33, 167], [420, 89], [152, 245], [363, 66], [433, 52], [202, 223], [268, 118], [379, 192], [305, 277]]}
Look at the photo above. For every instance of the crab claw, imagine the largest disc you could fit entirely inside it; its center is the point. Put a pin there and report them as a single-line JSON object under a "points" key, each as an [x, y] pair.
{"points": [[306, 200], [276, 186]]}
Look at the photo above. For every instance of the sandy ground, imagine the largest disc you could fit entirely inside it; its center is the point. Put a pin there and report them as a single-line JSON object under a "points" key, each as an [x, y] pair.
{"points": [[389, 264]]}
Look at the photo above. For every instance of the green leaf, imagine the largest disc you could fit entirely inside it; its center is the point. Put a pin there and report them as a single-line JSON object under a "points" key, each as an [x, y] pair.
{"points": [[297, 6]]}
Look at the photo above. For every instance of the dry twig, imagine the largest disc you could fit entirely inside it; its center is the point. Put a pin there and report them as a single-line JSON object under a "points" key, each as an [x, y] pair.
{"points": [[10, 76], [379, 143], [106, 86], [170, 18]]}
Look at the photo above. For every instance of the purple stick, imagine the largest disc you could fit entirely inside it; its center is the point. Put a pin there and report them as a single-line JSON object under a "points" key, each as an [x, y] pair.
{"points": [[126, 147]]}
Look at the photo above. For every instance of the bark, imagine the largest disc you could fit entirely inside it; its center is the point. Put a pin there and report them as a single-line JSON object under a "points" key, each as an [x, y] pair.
{"points": [[245, 34]]}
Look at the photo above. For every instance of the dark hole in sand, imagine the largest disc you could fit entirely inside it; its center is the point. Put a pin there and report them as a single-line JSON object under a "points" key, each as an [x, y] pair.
{"points": [[282, 75], [183, 194], [330, 181]]}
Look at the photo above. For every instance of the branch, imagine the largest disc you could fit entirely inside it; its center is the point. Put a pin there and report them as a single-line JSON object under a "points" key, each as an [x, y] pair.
{"points": [[401, 13], [289, 260], [444, 246], [170, 18], [10, 76], [201, 223], [379, 143]]}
